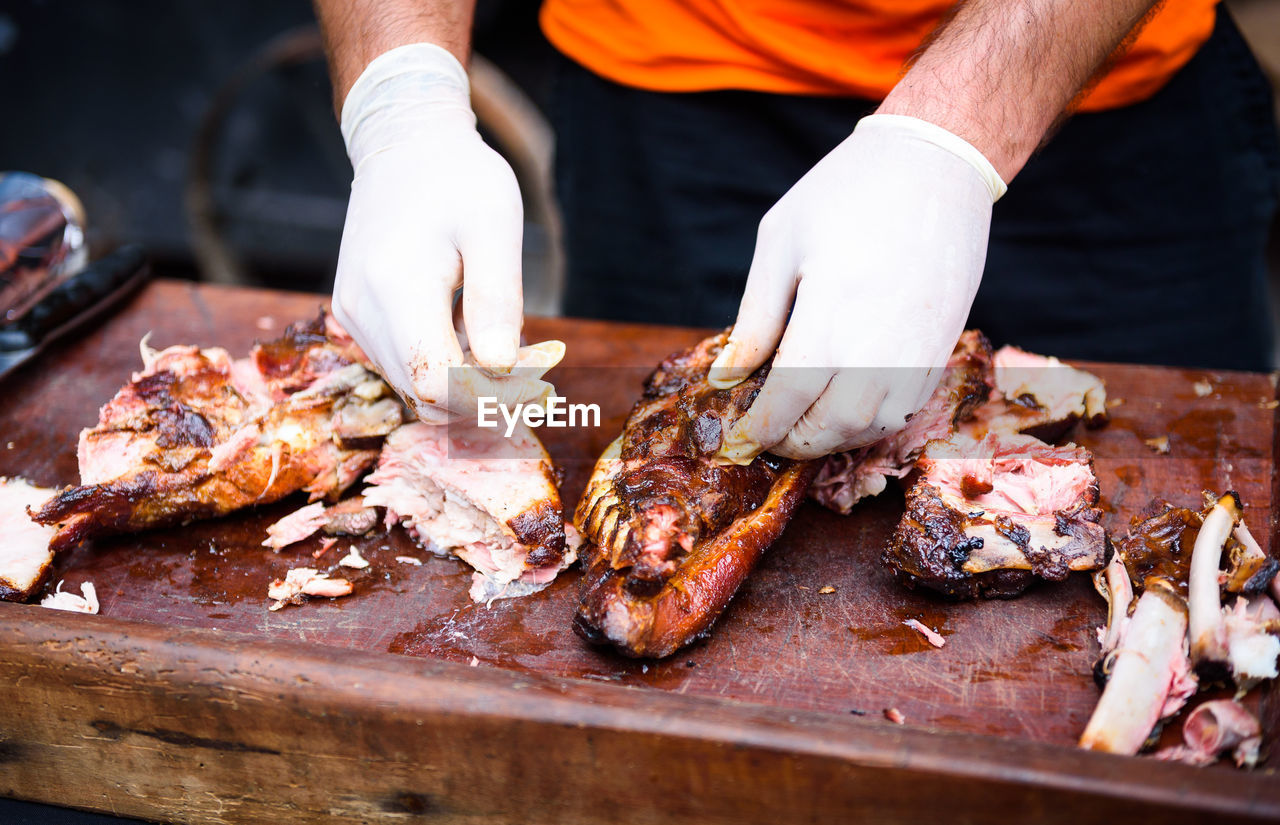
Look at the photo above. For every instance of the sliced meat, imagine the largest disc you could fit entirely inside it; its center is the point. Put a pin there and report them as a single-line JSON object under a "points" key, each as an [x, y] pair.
{"points": [[671, 532], [25, 555], [846, 478], [197, 435], [1039, 396], [986, 518], [489, 500]]}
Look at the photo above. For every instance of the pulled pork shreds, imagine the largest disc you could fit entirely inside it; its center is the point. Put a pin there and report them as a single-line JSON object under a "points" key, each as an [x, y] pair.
{"points": [[198, 435], [25, 555], [302, 582], [930, 636], [489, 500], [65, 600], [295, 527], [349, 517]]}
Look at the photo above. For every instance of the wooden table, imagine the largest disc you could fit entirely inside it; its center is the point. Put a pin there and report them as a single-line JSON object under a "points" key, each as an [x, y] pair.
{"points": [[186, 700]]}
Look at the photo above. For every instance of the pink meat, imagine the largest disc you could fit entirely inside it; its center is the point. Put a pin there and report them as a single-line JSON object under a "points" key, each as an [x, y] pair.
{"points": [[298, 525], [1215, 728], [489, 500], [25, 557], [846, 478]]}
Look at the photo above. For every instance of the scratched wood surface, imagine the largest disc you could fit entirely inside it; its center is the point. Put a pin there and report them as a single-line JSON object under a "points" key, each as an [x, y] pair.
{"points": [[1018, 670]]}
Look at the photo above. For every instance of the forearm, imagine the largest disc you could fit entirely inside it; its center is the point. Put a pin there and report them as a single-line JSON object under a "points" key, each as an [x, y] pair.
{"points": [[1001, 72], [357, 31]]}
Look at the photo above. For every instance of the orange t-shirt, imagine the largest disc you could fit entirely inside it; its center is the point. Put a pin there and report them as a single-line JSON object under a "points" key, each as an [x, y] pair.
{"points": [[818, 47]]}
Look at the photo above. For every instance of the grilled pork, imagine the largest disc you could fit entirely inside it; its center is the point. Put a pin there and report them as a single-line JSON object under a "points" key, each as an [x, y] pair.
{"points": [[25, 556], [491, 501], [1038, 395], [670, 532], [986, 518], [847, 478], [197, 435]]}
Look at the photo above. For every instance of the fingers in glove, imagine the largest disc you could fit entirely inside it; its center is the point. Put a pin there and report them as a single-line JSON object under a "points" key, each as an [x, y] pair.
{"points": [[844, 416], [492, 299], [787, 394], [762, 313]]}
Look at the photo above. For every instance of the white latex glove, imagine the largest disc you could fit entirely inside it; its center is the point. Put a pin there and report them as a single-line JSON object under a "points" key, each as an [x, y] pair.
{"points": [[431, 207], [881, 247]]}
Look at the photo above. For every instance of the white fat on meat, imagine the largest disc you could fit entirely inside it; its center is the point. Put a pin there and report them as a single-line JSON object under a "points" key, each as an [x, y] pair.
{"points": [[458, 492], [1251, 651], [1050, 382], [25, 556]]}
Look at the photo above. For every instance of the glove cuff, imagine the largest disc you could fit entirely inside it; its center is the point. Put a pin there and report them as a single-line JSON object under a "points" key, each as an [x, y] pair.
{"points": [[914, 127], [400, 92]]}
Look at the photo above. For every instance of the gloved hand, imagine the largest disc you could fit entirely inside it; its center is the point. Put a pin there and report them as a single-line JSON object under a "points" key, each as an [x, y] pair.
{"points": [[432, 208], [881, 246]]}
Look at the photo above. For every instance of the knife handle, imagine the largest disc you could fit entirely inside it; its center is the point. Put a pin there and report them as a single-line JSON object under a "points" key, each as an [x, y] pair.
{"points": [[72, 299]]}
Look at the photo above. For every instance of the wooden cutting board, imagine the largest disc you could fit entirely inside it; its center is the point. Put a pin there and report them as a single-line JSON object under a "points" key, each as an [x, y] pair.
{"points": [[187, 700]]}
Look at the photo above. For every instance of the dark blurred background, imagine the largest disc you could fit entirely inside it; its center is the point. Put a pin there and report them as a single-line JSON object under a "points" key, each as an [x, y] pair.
{"points": [[206, 132]]}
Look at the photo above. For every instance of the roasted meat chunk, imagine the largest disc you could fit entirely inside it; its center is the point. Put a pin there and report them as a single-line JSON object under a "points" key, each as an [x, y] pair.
{"points": [[671, 532], [25, 555], [197, 435], [846, 478], [1038, 395], [986, 518], [489, 500]]}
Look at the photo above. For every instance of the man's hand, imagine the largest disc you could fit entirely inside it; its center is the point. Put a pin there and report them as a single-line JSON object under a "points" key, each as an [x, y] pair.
{"points": [[432, 208], [881, 247]]}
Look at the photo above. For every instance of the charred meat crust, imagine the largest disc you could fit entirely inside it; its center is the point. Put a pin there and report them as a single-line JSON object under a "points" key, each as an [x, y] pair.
{"points": [[542, 530], [671, 531], [688, 603], [192, 442], [1159, 544], [931, 545]]}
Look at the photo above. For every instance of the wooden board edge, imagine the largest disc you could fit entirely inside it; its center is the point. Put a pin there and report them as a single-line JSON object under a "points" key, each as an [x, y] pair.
{"points": [[202, 726]]}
